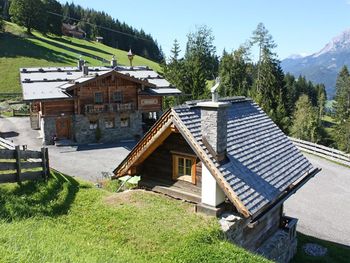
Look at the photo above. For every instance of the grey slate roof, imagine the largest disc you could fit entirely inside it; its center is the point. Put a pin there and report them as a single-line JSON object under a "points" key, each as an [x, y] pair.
{"points": [[52, 82], [263, 162]]}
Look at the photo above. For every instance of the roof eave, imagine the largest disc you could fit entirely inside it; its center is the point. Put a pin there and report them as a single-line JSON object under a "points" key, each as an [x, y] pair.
{"points": [[258, 216]]}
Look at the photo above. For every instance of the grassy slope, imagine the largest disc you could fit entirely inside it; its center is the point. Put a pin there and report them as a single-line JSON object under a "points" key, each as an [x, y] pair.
{"points": [[18, 50], [68, 221], [336, 253]]}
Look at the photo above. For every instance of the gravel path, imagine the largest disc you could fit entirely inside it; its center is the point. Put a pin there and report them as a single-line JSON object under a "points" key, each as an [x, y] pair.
{"points": [[323, 204]]}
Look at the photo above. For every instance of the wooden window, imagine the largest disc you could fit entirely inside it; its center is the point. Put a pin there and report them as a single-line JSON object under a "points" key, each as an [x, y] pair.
{"points": [[93, 125], [109, 123], [124, 121], [184, 168], [118, 97], [98, 97]]}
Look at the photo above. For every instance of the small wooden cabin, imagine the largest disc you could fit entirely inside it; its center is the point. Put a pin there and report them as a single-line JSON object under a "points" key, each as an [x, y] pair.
{"points": [[89, 104], [230, 159]]}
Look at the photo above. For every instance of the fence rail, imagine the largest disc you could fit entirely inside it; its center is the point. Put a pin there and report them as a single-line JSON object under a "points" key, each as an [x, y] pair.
{"points": [[323, 151], [20, 113], [18, 165], [5, 144]]}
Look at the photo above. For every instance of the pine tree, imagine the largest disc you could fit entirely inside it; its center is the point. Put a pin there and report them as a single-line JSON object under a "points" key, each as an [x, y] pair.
{"points": [[175, 51], [263, 39], [200, 48], [54, 19], [234, 73]]}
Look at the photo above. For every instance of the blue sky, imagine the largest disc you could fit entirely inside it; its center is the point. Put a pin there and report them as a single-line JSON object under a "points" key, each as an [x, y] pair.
{"points": [[298, 27]]}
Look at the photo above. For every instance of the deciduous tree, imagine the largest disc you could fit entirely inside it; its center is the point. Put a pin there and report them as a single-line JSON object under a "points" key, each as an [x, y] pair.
{"points": [[28, 13], [306, 123]]}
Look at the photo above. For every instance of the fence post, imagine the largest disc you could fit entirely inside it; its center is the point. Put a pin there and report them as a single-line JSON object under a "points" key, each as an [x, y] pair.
{"points": [[18, 164], [45, 162]]}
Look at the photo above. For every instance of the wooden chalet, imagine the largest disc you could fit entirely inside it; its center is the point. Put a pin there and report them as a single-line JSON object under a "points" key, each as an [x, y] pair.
{"points": [[228, 158], [72, 31], [89, 104]]}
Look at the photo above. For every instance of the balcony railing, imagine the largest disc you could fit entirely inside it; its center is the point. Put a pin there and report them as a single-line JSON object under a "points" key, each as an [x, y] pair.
{"points": [[109, 107]]}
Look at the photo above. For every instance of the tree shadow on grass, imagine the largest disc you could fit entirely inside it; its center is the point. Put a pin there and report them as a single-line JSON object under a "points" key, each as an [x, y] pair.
{"points": [[80, 52], [38, 198], [336, 252], [69, 42], [12, 46]]}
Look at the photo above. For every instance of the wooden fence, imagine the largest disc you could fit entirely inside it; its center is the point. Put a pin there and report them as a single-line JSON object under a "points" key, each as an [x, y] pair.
{"points": [[5, 144], [323, 151], [20, 113], [18, 165]]}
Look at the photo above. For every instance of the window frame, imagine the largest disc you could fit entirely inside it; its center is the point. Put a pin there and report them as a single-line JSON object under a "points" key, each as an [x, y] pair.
{"points": [[120, 95], [100, 93], [125, 118], [93, 125], [176, 176], [110, 120]]}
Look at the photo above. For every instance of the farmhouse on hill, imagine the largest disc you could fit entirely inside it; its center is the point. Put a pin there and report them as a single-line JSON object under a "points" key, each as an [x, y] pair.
{"points": [[72, 31], [89, 104], [229, 159]]}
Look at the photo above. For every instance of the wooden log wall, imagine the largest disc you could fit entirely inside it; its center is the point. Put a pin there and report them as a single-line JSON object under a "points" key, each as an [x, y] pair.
{"points": [[57, 107], [159, 164], [150, 103], [108, 85]]}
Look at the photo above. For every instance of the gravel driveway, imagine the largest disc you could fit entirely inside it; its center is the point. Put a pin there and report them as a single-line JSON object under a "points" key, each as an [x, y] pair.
{"points": [[83, 161], [323, 204]]}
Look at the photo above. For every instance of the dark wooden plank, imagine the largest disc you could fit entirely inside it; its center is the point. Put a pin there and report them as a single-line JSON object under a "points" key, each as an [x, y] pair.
{"points": [[31, 154], [7, 154], [44, 152], [31, 175], [8, 178], [18, 164], [30, 165], [4, 166]]}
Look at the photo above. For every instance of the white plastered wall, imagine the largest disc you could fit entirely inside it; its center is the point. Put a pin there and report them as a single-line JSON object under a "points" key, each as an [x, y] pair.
{"points": [[212, 194]]}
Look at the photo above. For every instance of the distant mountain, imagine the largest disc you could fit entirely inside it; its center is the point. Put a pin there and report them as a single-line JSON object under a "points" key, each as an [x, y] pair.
{"points": [[323, 66]]}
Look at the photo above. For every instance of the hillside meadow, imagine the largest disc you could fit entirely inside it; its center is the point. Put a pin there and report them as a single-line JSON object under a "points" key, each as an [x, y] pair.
{"points": [[17, 50], [65, 220]]}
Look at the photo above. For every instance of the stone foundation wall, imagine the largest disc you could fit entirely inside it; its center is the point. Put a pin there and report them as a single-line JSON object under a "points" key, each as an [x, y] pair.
{"points": [[265, 238], [280, 247], [47, 129], [83, 134]]}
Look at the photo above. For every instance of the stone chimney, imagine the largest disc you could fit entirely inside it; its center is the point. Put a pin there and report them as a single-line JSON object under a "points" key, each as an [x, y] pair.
{"points": [[214, 124], [85, 70], [113, 62], [81, 63]]}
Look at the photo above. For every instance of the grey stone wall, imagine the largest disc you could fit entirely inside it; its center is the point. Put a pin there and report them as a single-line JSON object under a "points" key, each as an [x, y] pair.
{"points": [[83, 133], [280, 247], [265, 238], [48, 129]]}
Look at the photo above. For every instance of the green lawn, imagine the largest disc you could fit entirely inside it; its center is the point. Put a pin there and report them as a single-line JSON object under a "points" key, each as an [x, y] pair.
{"points": [[336, 253], [19, 50], [69, 221]]}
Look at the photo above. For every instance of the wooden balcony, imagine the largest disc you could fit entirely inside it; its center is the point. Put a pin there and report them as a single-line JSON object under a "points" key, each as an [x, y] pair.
{"points": [[108, 107]]}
